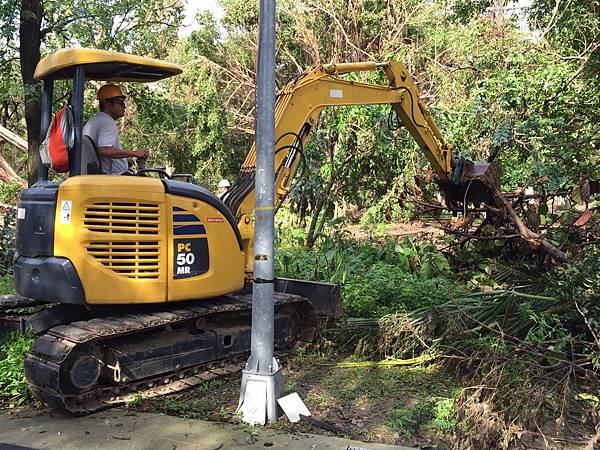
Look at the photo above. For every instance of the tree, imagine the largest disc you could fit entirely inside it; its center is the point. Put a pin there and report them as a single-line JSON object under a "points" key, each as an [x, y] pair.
{"points": [[146, 28], [30, 38]]}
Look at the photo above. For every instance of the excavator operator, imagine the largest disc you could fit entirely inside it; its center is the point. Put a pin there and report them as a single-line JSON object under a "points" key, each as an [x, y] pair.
{"points": [[102, 129]]}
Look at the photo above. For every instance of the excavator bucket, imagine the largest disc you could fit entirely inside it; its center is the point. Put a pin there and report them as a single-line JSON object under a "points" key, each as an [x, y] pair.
{"points": [[478, 183]]}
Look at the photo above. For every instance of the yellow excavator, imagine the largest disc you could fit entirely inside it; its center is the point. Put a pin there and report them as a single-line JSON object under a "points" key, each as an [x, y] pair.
{"points": [[151, 277]]}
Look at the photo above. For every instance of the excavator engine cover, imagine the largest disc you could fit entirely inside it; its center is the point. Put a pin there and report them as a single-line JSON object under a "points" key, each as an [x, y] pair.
{"points": [[99, 240]]}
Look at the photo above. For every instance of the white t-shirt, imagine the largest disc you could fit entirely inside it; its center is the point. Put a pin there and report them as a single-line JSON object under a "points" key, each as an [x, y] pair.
{"points": [[103, 130]]}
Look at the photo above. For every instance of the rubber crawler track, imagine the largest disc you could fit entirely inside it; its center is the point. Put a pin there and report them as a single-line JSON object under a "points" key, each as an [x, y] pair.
{"points": [[42, 366], [8, 302]]}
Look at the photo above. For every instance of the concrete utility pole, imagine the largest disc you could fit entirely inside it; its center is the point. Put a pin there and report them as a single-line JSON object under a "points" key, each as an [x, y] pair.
{"points": [[262, 380]]}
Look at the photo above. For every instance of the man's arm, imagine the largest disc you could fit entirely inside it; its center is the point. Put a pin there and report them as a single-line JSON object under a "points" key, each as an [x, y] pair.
{"points": [[108, 135], [113, 152]]}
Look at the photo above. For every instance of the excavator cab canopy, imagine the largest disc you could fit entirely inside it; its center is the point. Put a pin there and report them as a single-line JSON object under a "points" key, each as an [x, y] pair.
{"points": [[103, 65], [81, 64]]}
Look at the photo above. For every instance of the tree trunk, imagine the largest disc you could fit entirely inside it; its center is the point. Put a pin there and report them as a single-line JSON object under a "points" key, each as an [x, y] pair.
{"points": [[30, 38], [322, 200], [311, 235], [313, 229]]}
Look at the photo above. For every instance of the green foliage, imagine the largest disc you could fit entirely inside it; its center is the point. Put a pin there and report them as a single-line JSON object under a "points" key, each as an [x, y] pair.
{"points": [[13, 384], [464, 11], [437, 414], [404, 420], [7, 241], [135, 401], [443, 415], [386, 288], [572, 29], [376, 280], [6, 284], [388, 208], [9, 193], [146, 28]]}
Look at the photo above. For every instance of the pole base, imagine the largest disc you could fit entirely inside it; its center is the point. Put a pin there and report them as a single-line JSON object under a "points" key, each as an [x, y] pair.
{"points": [[258, 397]]}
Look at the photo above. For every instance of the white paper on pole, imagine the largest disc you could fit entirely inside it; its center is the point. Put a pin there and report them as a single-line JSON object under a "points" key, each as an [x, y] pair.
{"points": [[293, 406], [254, 406]]}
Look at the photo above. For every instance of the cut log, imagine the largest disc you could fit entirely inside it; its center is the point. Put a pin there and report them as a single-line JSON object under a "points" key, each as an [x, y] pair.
{"points": [[7, 173], [14, 139]]}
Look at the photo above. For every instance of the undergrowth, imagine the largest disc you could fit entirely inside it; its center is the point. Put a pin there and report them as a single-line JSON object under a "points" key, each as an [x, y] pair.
{"points": [[6, 284], [400, 275], [7, 241], [13, 384], [9, 193], [523, 338], [526, 352]]}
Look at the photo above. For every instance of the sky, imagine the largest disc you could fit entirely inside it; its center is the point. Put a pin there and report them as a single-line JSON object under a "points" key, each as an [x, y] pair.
{"points": [[191, 8]]}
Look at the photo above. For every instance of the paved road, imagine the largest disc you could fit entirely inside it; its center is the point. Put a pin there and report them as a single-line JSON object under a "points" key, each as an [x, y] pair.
{"points": [[120, 429]]}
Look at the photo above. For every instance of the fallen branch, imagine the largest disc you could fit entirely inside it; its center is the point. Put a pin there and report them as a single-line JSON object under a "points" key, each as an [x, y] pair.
{"points": [[528, 235], [324, 425], [7, 173], [13, 139], [432, 206], [481, 238]]}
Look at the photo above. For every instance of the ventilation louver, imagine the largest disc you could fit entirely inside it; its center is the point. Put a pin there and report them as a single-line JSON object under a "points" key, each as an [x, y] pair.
{"points": [[139, 255]]}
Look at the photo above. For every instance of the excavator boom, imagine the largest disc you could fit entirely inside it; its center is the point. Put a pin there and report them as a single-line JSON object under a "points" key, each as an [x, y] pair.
{"points": [[297, 110]]}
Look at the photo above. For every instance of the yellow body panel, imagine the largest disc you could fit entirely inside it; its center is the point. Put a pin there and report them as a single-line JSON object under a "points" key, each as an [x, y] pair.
{"points": [[226, 259], [117, 231], [104, 65]]}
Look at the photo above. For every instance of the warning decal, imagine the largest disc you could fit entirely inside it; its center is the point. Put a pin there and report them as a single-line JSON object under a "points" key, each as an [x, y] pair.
{"points": [[65, 211]]}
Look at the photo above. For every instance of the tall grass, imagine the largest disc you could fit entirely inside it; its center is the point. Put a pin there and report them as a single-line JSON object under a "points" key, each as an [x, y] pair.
{"points": [[13, 384]]}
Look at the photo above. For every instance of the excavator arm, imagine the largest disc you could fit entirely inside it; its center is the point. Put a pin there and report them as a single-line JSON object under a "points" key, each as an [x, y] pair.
{"points": [[297, 110]]}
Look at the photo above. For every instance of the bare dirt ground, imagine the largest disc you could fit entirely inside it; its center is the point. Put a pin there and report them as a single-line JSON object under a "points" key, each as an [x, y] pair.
{"points": [[419, 228]]}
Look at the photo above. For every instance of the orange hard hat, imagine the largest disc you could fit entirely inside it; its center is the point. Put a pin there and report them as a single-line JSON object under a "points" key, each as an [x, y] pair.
{"points": [[109, 91]]}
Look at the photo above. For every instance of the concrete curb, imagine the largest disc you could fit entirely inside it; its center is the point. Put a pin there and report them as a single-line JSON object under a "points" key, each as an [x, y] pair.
{"points": [[121, 429]]}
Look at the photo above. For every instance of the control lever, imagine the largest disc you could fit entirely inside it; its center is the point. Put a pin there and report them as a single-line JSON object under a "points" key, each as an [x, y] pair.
{"points": [[142, 171], [141, 163]]}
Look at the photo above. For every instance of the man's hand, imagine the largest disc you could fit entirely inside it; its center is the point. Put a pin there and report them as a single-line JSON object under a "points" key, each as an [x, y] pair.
{"points": [[141, 153]]}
